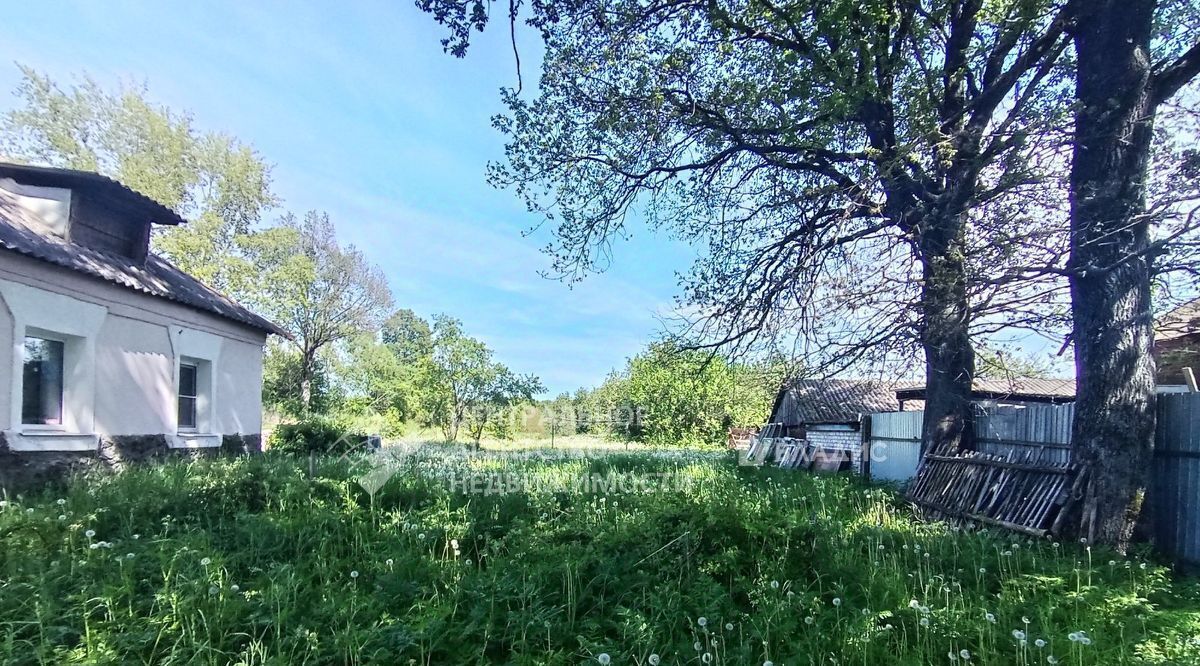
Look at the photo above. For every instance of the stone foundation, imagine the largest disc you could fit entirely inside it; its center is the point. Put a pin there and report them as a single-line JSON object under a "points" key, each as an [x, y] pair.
{"points": [[28, 470]]}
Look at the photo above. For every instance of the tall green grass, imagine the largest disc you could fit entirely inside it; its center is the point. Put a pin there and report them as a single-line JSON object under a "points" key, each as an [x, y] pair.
{"points": [[274, 561]]}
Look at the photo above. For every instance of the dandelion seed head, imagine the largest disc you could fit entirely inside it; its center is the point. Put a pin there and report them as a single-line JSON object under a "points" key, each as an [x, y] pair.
{"points": [[354, 574], [654, 660], [728, 626], [603, 659], [1040, 643], [702, 621], [965, 654], [90, 533]]}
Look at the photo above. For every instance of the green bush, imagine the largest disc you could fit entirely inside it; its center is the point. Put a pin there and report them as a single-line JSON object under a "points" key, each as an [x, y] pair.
{"points": [[315, 436]]}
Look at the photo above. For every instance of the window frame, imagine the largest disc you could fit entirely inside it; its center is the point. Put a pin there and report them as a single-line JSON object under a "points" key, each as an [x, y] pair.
{"points": [[64, 341], [194, 365]]}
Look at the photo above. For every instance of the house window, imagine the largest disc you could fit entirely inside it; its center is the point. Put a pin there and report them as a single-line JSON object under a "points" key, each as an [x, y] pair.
{"points": [[42, 382], [188, 374]]}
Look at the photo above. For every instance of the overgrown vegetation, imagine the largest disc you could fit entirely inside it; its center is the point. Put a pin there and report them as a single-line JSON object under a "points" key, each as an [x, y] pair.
{"points": [[262, 561]]}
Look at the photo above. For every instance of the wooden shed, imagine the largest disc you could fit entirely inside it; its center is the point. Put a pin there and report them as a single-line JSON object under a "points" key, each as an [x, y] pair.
{"points": [[819, 419]]}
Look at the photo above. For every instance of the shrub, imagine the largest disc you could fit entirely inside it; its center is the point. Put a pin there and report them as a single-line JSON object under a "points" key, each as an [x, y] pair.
{"points": [[315, 436]]}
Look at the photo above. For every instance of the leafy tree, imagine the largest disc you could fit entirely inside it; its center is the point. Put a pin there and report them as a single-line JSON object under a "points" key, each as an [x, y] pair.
{"points": [[220, 184], [503, 390], [461, 385], [408, 335], [282, 374], [1133, 56], [317, 290], [689, 397], [379, 381], [842, 162]]}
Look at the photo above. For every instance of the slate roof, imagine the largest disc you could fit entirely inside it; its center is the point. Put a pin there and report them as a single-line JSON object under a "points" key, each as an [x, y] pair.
{"points": [[815, 401], [1015, 387], [155, 277], [89, 181]]}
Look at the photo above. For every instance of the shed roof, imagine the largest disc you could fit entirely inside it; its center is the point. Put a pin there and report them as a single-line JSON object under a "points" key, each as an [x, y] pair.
{"points": [[1020, 388], [1181, 322], [811, 401], [155, 277]]}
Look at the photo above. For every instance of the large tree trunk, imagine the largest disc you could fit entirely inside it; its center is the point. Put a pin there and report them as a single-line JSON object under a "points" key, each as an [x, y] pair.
{"points": [[307, 361], [945, 337], [1110, 293]]}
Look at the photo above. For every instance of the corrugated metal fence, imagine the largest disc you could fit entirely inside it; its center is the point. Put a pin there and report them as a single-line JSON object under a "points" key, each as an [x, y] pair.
{"points": [[1041, 434], [1174, 488]]}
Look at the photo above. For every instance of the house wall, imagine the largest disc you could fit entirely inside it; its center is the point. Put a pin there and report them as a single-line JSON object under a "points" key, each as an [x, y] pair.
{"points": [[837, 438], [123, 392]]}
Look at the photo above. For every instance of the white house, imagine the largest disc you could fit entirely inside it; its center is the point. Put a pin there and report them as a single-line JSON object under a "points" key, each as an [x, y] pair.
{"points": [[107, 351]]}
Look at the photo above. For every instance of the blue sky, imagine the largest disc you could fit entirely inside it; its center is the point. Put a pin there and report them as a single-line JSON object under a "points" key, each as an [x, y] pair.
{"points": [[365, 117]]}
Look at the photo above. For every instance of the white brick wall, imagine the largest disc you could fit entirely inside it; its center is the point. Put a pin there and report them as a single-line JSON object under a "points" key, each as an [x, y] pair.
{"points": [[841, 440]]}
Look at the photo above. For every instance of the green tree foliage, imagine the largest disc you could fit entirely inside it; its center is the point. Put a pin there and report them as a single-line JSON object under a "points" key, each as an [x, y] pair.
{"points": [[462, 386], [667, 396], [221, 185], [282, 379], [320, 292]]}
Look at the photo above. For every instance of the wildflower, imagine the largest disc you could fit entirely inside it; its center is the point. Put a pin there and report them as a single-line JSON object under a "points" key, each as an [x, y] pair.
{"points": [[1052, 659], [702, 621], [90, 533], [982, 570], [1018, 634], [1142, 566], [62, 517], [924, 622], [990, 618], [129, 556], [697, 646], [837, 601], [354, 574], [774, 585], [213, 590], [768, 663], [205, 562], [93, 546], [1084, 640], [388, 562], [706, 658], [866, 612], [136, 537], [1040, 643], [1024, 620], [604, 659], [965, 654], [1073, 636], [654, 660], [29, 511], [914, 604], [809, 620], [1007, 553], [234, 588], [1112, 563], [421, 536], [60, 501], [953, 655], [728, 626]]}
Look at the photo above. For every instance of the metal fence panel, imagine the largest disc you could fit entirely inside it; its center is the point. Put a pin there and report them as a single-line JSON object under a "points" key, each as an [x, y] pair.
{"points": [[895, 448], [1174, 487], [1032, 433]]}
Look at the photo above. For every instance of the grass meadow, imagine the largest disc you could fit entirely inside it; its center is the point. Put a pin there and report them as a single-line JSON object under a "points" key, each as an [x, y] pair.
{"points": [[550, 557]]}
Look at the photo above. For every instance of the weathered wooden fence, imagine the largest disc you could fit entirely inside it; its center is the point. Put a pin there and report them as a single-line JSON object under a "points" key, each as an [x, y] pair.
{"points": [[1040, 435]]}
